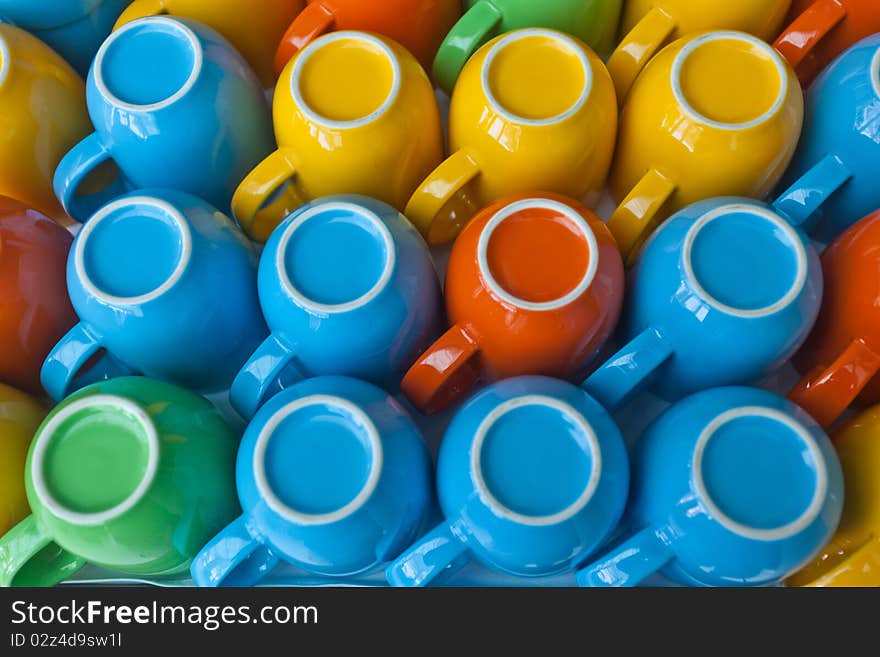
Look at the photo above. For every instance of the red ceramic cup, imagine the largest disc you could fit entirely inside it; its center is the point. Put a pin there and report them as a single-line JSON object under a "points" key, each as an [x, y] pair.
{"points": [[35, 311], [534, 286]]}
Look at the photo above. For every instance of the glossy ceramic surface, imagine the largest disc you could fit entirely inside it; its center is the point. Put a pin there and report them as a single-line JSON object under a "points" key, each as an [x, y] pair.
{"points": [[532, 477], [20, 415], [254, 27], [592, 21], [417, 25], [44, 115], [534, 286], [843, 120], [347, 286], [131, 474], [822, 29], [173, 105], [532, 110], [35, 310], [333, 477], [731, 487], [354, 114], [648, 25], [167, 285], [714, 114], [723, 293], [45, 13]]}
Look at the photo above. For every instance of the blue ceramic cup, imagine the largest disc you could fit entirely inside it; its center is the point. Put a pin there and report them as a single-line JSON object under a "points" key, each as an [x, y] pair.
{"points": [[347, 287], [333, 477], [174, 106], [532, 478], [842, 121], [722, 294], [167, 286], [731, 487]]}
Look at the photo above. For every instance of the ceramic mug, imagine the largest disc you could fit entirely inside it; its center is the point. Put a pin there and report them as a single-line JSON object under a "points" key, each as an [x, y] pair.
{"points": [[714, 114], [347, 286], [253, 27], [44, 115], [333, 476], [852, 558], [731, 487], [174, 106], [35, 310], [532, 110], [648, 25], [417, 25], [724, 293], [20, 415], [532, 477], [133, 475], [167, 286], [592, 21], [534, 286], [354, 114], [843, 121], [822, 29]]}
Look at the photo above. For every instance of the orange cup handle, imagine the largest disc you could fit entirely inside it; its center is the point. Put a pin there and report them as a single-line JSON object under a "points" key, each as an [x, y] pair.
{"points": [[827, 393], [444, 372], [808, 29], [312, 22]]}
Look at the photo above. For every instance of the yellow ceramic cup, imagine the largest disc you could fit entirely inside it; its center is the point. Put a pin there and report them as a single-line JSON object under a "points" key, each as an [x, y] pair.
{"points": [[254, 27], [649, 24], [853, 556], [44, 116], [715, 114], [533, 109], [354, 113], [20, 415]]}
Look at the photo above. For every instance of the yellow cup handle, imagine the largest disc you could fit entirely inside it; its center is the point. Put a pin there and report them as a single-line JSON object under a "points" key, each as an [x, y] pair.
{"points": [[636, 217], [141, 9], [861, 568], [637, 49], [431, 208], [258, 187]]}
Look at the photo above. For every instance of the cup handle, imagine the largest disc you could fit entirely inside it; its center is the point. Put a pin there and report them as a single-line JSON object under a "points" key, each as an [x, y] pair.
{"points": [[234, 557], [861, 568], [28, 557], [312, 22], [141, 9], [252, 385], [637, 49], [627, 370], [429, 207], [636, 217], [479, 24], [257, 188], [631, 562], [810, 191], [444, 372], [825, 393], [75, 166], [438, 553], [808, 29]]}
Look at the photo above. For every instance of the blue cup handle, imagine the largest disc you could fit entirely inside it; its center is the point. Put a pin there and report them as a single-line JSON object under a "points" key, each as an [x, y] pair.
{"points": [[629, 369], [79, 162], [235, 557], [631, 562], [439, 552], [253, 384], [811, 190]]}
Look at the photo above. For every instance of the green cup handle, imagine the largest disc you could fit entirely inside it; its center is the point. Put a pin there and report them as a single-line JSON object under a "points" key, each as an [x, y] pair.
{"points": [[479, 24], [28, 557]]}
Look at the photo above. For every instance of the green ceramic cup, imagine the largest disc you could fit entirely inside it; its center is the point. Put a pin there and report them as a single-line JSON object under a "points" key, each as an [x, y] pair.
{"points": [[129, 474], [593, 21]]}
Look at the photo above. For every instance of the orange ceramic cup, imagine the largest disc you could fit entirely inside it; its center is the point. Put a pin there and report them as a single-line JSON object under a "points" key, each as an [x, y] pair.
{"points": [[35, 311], [822, 29], [418, 25], [841, 358], [20, 415], [534, 286]]}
